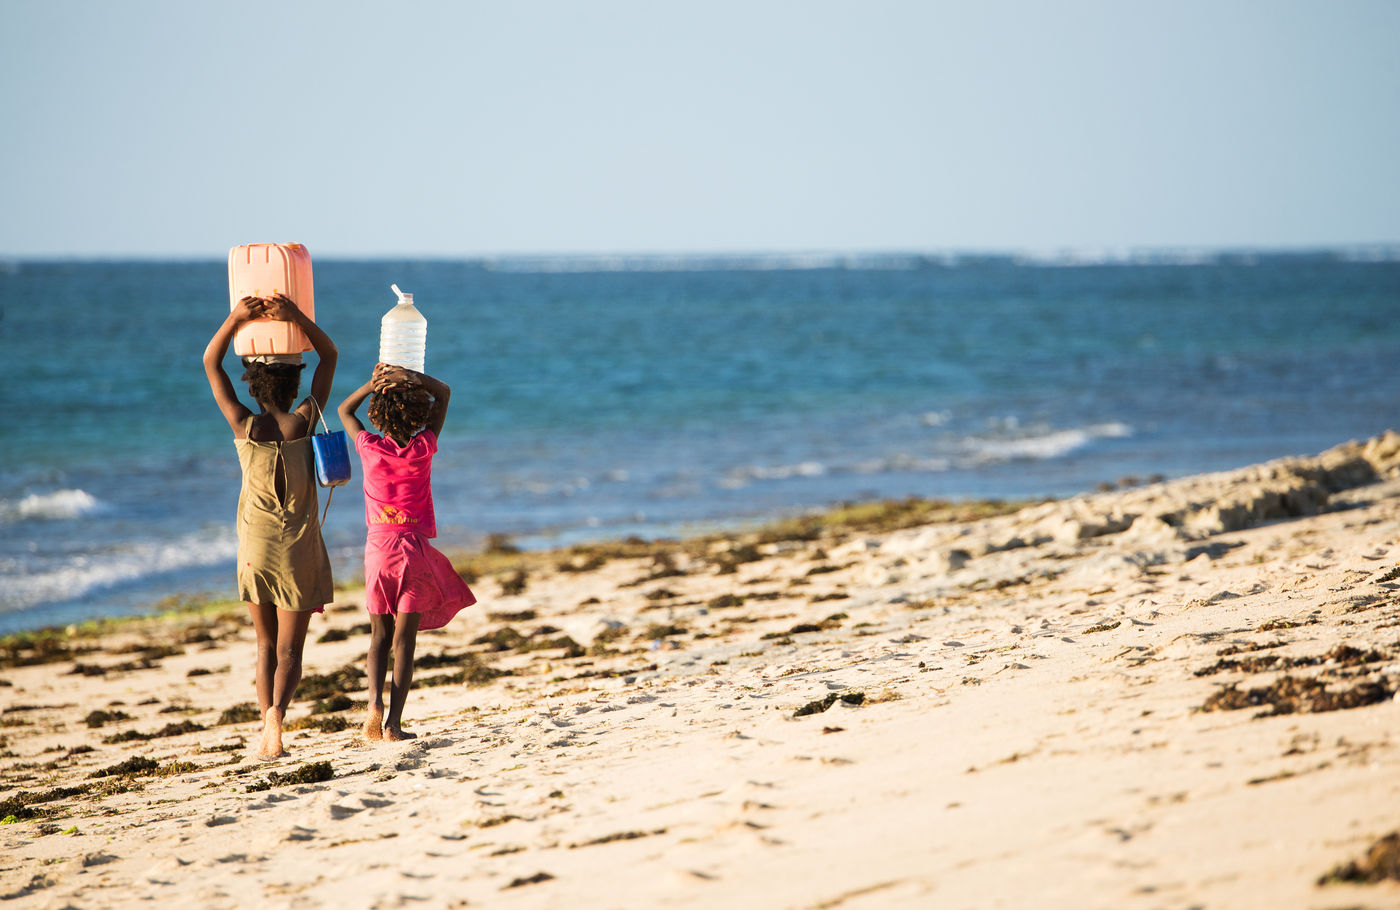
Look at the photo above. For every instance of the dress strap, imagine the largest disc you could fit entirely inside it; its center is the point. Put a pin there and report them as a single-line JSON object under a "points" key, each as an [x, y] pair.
{"points": [[248, 427]]}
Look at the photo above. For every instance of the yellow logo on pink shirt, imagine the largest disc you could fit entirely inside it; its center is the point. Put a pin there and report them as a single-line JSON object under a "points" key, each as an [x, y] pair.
{"points": [[393, 515]]}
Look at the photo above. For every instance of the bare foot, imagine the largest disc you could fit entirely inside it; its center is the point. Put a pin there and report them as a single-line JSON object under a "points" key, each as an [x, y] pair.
{"points": [[272, 735], [374, 724], [396, 734]]}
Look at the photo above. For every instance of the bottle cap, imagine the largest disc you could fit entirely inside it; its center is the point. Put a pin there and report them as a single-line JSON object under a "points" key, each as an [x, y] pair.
{"points": [[403, 298]]}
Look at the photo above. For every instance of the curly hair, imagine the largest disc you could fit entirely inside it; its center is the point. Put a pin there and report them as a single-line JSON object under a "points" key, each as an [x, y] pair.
{"points": [[399, 412], [273, 384]]}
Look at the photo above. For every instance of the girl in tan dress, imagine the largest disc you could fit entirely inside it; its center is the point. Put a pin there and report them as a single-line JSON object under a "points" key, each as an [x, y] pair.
{"points": [[284, 572]]}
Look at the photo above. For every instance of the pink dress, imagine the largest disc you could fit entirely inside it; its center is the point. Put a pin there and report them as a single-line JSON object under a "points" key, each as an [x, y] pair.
{"points": [[403, 572]]}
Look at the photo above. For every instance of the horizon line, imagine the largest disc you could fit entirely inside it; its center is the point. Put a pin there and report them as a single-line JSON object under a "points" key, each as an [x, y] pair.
{"points": [[1087, 254]]}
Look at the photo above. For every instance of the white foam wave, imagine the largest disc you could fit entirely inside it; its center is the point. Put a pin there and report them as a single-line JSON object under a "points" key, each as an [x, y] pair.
{"points": [[56, 506], [86, 573], [736, 478], [902, 464], [1042, 446]]}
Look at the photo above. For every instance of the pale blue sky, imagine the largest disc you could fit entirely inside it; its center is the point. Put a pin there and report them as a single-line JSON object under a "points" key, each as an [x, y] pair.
{"points": [[456, 128]]}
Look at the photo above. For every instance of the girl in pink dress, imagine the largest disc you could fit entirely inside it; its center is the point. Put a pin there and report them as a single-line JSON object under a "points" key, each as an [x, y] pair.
{"points": [[409, 585]]}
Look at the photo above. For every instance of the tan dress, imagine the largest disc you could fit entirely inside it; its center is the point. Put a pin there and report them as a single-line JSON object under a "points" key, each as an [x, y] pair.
{"points": [[282, 559]]}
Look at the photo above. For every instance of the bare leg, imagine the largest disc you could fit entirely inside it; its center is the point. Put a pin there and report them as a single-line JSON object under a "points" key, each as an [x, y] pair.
{"points": [[405, 638], [291, 638], [381, 634], [265, 625]]}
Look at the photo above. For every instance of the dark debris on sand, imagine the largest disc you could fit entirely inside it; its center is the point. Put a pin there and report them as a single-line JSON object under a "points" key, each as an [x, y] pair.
{"points": [[180, 729], [817, 707], [1341, 656], [308, 773], [1296, 695], [1381, 862], [317, 686]]}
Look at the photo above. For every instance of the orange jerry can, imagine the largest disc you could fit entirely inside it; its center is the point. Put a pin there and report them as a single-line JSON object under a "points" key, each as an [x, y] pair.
{"points": [[264, 270]]}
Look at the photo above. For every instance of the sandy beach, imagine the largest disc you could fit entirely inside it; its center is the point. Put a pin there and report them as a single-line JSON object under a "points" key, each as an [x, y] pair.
{"points": [[1169, 695]]}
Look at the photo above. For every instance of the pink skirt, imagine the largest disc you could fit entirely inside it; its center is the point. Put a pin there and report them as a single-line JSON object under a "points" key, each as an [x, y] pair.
{"points": [[405, 574]]}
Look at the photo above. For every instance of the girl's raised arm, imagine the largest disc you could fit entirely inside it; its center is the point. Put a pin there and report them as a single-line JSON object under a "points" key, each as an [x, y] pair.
{"points": [[441, 393], [234, 411], [350, 405]]}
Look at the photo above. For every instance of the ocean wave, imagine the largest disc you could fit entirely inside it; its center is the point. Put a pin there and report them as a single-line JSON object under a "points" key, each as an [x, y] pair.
{"points": [[56, 506], [1041, 446], [1075, 257], [736, 478], [86, 573], [902, 464], [967, 454]]}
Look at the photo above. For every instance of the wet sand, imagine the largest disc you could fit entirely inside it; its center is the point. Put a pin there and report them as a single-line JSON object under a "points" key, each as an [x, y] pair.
{"points": [[1170, 695]]}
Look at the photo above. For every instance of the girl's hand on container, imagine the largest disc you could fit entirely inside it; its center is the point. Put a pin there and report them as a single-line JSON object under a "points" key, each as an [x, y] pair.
{"points": [[387, 374], [247, 309], [280, 307]]}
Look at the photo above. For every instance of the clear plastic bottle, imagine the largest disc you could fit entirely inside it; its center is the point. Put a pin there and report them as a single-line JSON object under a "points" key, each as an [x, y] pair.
{"points": [[403, 334]]}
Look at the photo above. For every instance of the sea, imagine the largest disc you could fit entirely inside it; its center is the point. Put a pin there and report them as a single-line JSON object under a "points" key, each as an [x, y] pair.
{"points": [[605, 397]]}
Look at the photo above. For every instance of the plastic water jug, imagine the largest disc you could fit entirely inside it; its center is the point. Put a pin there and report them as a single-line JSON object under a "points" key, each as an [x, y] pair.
{"points": [[403, 334], [265, 270]]}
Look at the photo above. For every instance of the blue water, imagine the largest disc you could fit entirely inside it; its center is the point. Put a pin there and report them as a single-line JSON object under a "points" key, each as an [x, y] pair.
{"points": [[604, 397]]}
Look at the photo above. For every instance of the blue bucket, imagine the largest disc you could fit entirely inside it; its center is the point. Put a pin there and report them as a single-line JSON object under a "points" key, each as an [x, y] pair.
{"points": [[332, 453]]}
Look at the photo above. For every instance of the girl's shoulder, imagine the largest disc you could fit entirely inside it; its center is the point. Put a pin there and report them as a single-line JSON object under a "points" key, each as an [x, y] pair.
{"points": [[424, 443]]}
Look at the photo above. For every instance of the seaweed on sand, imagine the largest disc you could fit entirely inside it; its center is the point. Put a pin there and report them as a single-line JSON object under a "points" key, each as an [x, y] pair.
{"points": [[241, 713], [817, 707], [663, 565], [509, 616], [97, 718], [529, 880], [337, 702], [1342, 655], [570, 647], [613, 838], [473, 670], [503, 639], [1381, 862], [831, 622], [728, 561], [308, 773], [883, 516], [132, 767], [45, 646], [180, 729], [515, 583], [316, 686], [22, 804], [331, 723], [1296, 695]]}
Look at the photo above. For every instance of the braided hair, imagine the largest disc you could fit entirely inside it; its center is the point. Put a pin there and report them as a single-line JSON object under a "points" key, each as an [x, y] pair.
{"points": [[400, 411], [273, 384]]}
